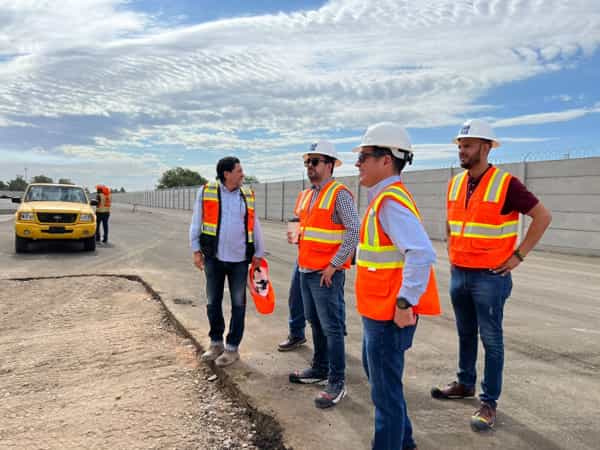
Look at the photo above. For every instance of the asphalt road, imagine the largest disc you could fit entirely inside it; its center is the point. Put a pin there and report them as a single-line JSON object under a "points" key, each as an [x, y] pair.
{"points": [[552, 334]]}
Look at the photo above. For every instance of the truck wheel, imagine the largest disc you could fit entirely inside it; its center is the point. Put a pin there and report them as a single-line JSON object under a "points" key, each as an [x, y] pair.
{"points": [[20, 244], [89, 244]]}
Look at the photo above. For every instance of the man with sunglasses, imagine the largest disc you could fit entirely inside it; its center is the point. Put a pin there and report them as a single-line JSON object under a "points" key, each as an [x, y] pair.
{"points": [[483, 206], [328, 236], [395, 282]]}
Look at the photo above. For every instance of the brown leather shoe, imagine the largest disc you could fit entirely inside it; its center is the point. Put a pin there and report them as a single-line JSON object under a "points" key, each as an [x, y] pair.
{"points": [[454, 390], [484, 418], [291, 343]]}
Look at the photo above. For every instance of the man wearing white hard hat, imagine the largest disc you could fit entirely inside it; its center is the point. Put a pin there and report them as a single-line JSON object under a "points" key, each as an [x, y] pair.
{"points": [[483, 206], [395, 282], [328, 236]]}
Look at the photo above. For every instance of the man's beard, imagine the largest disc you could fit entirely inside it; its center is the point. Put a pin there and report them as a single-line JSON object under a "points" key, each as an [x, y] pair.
{"points": [[313, 177], [472, 162]]}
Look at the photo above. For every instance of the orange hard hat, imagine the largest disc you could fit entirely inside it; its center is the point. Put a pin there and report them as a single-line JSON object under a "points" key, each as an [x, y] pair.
{"points": [[260, 287]]}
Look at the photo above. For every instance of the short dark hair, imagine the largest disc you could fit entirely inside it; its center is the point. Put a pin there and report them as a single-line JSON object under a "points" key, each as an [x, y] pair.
{"points": [[329, 160], [226, 164], [398, 163]]}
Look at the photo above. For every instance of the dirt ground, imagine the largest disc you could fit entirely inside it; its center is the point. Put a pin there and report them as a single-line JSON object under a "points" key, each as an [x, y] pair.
{"points": [[93, 362]]}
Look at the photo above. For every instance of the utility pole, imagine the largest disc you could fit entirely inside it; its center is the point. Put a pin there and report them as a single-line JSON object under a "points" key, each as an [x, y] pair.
{"points": [[25, 173]]}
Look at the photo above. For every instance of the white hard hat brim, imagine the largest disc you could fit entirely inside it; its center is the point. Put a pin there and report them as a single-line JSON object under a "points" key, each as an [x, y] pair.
{"points": [[495, 142]]}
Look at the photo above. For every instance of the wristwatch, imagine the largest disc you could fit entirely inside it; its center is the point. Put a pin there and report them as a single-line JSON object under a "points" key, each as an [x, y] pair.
{"points": [[402, 303]]}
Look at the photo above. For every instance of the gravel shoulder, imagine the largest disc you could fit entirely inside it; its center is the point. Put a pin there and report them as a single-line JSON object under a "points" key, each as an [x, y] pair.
{"points": [[92, 362]]}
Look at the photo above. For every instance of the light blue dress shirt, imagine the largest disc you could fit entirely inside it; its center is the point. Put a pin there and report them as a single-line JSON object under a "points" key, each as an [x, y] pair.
{"points": [[232, 234], [408, 234]]}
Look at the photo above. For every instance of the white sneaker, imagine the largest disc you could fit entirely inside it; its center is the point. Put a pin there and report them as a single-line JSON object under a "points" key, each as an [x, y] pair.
{"points": [[213, 352], [227, 358]]}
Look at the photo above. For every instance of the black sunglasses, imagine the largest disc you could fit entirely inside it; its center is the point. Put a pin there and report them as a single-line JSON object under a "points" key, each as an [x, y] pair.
{"points": [[314, 161], [362, 157]]}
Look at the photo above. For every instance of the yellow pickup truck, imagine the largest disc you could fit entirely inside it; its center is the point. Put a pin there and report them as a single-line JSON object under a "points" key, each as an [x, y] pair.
{"points": [[54, 212]]}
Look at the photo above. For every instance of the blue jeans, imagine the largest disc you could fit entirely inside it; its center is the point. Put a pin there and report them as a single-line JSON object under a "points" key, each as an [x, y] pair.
{"points": [[102, 219], [296, 321], [478, 298], [384, 344], [236, 273], [324, 308]]}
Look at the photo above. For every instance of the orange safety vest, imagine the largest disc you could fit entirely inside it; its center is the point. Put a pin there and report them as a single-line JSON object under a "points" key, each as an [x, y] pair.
{"points": [[302, 195], [104, 199], [481, 237], [211, 218], [379, 263], [320, 237]]}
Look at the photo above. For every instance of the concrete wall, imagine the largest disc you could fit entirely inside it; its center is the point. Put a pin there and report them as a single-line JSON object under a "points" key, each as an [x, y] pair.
{"points": [[569, 188]]}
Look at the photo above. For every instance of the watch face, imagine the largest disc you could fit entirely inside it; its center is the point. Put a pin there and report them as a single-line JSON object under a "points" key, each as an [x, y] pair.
{"points": [[403, 303]]}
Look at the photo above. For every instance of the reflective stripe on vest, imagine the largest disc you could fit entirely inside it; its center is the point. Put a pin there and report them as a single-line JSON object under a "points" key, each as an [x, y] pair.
{"points": [[480, 235], [210, 209], [320, 234], [380, 263], [491, 195], [370, 253], [320, 237], [303, 197]]}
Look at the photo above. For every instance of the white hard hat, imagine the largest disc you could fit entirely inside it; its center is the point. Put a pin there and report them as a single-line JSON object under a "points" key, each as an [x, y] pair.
{"points": [[323, 148], [389, 135], [477, 128]]}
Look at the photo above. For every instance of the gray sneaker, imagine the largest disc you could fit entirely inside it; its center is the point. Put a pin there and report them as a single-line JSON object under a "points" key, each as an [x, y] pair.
{"points": [[213, 352], [331, 396], [227, 358]]}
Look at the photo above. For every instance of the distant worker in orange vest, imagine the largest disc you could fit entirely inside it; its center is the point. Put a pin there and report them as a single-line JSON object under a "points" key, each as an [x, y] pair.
{"points": [[395, 282], [102, 212], [329, 227], [225, 236], [483, 206]]}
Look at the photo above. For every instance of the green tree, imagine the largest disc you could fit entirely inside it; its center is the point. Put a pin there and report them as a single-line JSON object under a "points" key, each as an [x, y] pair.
{"points": [[3, 186], [250, 179], [122, 189], [65, 181], [41, 179], [180, 177], [18, 184]]}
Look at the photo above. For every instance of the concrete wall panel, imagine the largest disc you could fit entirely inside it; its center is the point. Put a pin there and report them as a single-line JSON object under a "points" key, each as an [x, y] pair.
{"points": [[569, 188]]}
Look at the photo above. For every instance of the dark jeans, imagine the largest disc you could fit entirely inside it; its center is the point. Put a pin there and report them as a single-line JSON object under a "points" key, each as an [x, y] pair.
{"points": [[324, 308], [236, 273], [102, 219], [297, 322], [478, 298], [384, 345]]}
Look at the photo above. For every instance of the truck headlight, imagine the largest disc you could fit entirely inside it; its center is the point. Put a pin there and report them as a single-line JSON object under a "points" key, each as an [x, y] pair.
{"points": [[26, 216], [86, 218]]}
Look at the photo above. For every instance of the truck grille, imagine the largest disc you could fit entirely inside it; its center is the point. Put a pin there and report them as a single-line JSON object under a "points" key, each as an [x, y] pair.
{"points": [[56, 217]]}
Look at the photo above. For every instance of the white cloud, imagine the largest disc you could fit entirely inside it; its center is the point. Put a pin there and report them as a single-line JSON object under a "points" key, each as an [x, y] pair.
{"points": [[272, 81], [541, 118], [527, 139]]}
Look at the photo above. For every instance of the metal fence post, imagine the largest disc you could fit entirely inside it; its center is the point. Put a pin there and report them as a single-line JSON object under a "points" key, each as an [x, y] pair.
{"points": [[266, 200], [282, 200]]}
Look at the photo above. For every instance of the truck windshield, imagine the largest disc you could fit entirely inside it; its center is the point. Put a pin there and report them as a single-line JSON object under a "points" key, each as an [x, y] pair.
{"points": [[55, 194]]}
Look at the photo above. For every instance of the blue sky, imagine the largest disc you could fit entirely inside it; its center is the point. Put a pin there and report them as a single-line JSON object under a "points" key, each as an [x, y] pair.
{"points": [[117, 92]]}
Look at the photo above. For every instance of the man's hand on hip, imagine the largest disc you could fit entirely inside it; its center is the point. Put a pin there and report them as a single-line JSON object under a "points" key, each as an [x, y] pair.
{"points": [[327, 275], [199, 260], [404, 317]]}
